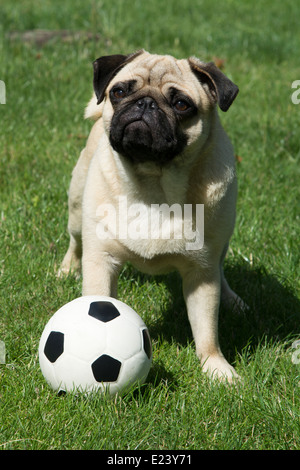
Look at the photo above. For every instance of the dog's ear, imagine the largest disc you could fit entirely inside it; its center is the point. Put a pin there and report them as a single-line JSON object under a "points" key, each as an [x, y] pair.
{"points": [[222, 89], [106, 67]]}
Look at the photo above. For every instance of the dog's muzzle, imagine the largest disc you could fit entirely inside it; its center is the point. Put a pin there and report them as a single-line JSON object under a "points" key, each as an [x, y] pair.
{"points": [[142, 132]]}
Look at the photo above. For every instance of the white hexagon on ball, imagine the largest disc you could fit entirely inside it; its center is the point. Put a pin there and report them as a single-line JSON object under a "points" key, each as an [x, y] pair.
{"points": [[95, 343]]}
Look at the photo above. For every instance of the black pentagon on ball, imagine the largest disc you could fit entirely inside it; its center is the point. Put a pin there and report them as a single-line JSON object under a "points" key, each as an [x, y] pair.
{"points": [[147, 343], [106, 369], [54, 346], [104, 311]]}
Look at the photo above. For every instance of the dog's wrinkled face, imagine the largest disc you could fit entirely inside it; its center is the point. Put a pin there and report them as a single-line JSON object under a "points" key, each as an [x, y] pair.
{"points": [[156, 105], [146, 123]]}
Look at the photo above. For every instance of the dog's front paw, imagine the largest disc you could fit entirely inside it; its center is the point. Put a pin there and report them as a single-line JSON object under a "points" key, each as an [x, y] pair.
{"points": [[218, 368]]}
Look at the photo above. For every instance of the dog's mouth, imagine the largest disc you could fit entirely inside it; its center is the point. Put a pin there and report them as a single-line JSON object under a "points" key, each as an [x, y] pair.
{"points": [[140, 143], [147, 137], [137, 133]]}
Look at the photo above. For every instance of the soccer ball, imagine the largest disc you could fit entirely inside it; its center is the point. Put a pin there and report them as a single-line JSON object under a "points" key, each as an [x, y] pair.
{"points": [[95, 343]]}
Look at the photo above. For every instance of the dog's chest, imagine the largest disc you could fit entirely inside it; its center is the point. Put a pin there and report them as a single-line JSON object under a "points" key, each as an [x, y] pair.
{"points": [[168, 187], [153, 217]]}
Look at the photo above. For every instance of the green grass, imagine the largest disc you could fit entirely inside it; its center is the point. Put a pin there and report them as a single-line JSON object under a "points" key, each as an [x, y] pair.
{"points": [[42, 133]]}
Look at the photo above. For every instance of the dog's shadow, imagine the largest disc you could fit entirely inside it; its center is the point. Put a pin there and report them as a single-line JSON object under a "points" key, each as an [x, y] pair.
{"points": [[274, 310]]}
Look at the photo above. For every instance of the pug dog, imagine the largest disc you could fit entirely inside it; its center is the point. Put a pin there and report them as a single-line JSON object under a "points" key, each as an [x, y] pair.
{"points": [[157, 153]]}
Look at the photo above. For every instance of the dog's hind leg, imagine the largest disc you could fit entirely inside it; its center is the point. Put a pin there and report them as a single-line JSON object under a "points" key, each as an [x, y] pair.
{"points": [[228, 297], [72, 260]]}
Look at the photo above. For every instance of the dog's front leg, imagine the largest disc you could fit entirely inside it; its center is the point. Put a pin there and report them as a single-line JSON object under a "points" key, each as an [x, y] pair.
{"points": [[100, 274], [202, 296]]}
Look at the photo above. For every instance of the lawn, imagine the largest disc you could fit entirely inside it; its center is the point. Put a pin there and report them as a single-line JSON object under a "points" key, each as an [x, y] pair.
{"points": [[48, 81]]}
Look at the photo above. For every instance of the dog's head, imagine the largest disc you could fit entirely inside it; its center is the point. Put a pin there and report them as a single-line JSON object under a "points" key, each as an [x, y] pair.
{"points": [[156, 106]]}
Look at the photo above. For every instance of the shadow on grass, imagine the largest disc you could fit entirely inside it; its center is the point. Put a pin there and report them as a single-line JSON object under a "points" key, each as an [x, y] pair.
{"points": [[274, 310]]}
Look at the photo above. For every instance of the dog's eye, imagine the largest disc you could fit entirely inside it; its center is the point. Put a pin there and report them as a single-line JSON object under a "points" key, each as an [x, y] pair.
{"points": [[118, 93], [181, 106]]}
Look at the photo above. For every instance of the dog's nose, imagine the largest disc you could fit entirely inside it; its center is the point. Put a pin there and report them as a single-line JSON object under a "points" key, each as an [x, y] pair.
{"points": [[146, 104]]}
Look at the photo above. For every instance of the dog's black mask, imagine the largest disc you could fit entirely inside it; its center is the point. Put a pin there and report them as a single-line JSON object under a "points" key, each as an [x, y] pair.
{"points": [[143, 130]]}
